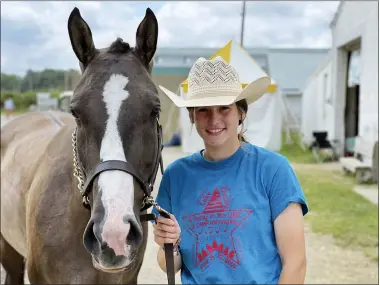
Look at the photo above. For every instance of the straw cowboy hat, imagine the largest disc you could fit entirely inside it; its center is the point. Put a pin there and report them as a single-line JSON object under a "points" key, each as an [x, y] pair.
{"points": [[215, 82]]}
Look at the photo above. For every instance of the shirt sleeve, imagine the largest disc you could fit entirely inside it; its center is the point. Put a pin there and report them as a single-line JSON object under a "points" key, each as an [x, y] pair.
{"points": [[285, 189], [163, 198]]}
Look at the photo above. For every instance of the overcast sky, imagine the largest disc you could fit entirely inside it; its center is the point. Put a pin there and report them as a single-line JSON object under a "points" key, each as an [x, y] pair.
{"points": [[34, 34]]}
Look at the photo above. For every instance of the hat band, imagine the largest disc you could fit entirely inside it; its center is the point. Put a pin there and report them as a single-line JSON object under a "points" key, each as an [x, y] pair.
{"points": [[214, 92]]}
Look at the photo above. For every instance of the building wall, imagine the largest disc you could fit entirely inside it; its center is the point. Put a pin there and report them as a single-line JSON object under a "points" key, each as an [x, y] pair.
{"points": [[317, 108], [356, 20], [291, 69], [325, 115]]}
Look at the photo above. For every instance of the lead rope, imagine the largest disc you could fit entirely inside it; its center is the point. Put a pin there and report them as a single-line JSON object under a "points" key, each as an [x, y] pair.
{"points": [[168, 247]]}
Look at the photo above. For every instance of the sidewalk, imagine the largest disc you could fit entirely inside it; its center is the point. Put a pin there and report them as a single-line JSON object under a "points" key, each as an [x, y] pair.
{"points": [[371, 192]]}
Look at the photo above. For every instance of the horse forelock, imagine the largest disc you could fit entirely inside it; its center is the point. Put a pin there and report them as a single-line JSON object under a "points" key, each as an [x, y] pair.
{"points": [[119, 47]]}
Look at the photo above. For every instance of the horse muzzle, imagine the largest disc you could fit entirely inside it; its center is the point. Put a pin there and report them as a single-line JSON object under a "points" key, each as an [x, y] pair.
{"points": [[112, 270]]}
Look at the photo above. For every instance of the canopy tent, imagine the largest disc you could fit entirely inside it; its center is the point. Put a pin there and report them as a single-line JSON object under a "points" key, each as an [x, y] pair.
{"points": [[263, 122]]}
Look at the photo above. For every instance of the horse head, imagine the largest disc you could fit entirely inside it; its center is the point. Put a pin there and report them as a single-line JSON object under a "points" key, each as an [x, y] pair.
{"points": [[116, 108]]}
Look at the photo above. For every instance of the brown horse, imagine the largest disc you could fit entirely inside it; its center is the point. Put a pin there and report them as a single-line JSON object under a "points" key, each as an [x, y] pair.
{"points": [[111, 143]]}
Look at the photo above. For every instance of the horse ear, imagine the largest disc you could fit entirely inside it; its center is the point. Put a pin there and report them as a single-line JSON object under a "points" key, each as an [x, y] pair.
{"points": [[146, 37], [81, 38]]}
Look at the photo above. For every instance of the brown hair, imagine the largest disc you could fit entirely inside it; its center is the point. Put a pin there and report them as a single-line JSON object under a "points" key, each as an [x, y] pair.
{"points": [[242, 106]]}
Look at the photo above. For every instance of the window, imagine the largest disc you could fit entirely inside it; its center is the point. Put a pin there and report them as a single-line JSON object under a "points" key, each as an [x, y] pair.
{"points": [[354, 68]]}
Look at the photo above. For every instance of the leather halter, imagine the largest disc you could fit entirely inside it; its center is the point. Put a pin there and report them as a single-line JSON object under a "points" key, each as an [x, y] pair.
{"points": [[85, 188]]}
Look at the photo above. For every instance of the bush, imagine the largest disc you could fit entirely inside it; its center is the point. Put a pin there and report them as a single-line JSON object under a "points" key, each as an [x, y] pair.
{"points": [[27, 99], [21, 100]]}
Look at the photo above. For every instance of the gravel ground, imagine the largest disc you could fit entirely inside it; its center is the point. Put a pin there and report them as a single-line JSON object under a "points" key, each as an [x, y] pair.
{"points": [[327, 262], [4, 120]]}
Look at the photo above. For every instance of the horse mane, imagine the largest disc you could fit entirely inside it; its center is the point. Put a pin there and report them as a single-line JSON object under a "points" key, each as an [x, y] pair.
{"points": [[119, 47]]}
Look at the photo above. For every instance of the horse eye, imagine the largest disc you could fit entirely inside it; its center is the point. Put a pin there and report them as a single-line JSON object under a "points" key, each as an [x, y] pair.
{"points": [[155, 112], [73, 113]]}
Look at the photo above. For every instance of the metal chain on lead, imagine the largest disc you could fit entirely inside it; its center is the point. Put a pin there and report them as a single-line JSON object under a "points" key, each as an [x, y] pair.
{"points": [[77, 172], [148, 200]]}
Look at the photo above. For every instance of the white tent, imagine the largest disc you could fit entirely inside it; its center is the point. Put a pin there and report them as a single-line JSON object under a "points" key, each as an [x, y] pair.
{"points": [[263, 122]]}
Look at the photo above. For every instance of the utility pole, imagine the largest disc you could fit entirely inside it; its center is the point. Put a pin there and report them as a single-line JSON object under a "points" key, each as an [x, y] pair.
{"points": [[242, 25], [66, 79], [31, 87]]}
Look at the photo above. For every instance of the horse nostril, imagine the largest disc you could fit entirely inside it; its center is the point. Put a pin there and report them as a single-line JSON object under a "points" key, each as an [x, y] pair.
{"points": [[89, 237], [103, 246], [134, 237]]}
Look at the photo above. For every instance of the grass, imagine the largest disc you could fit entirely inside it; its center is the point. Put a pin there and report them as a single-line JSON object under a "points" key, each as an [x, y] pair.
{"points": [[15, 112], [294, 152], [337, 210]]}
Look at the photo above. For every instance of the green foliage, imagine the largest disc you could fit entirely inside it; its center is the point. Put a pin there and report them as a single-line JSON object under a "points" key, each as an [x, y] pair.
{"points": [[10, 82], [294, 152], [44, 80], [23, 89], [21, 100], [24, 100]]}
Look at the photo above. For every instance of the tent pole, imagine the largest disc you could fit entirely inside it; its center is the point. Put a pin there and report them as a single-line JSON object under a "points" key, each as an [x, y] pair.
{"points": [[242, 25]]}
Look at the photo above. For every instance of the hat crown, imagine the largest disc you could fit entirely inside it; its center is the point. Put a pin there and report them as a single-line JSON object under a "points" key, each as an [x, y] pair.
{"points": [[213, 75]]}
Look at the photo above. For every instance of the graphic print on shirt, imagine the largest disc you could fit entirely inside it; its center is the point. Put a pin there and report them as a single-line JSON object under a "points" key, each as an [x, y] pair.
{"points": [[214, 229]]}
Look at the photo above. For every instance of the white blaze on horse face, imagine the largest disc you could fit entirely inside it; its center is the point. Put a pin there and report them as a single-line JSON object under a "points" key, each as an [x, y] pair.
{"points": [[116, 187]]}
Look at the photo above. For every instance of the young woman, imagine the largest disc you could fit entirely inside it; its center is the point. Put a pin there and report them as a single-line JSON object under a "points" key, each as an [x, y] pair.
{"points": [[237, 209]]}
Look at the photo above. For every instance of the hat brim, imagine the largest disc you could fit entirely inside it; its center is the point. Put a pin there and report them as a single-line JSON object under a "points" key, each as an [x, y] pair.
{"points": [[252, 92]]}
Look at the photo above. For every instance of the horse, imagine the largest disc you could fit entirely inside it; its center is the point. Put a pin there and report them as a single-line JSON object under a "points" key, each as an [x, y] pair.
{"points": [[76, 186]]}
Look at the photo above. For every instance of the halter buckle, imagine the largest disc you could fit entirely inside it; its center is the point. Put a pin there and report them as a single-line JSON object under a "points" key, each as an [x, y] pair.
{"points": [[86, 202]]}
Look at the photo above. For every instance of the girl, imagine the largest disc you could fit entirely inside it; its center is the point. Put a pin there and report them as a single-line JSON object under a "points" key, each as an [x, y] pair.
{"points": [[237, 209]]}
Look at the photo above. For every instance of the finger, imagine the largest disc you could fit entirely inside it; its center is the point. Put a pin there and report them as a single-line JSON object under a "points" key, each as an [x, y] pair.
{"points": [[166, 228], [165, 234], [162, 219], [172, 217], [165, 221], [163, 237], [161, 241]]}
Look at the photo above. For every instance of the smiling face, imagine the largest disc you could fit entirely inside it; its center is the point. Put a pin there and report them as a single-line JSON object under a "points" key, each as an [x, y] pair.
{"points": [[217, 125]]}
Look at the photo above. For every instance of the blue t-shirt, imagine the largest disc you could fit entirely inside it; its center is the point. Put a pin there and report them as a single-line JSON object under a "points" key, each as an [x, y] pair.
{"points": [[226, 211]]}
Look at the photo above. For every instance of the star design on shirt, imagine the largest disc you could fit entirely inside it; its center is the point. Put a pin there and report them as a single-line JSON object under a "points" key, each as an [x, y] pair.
{"points": [[214, 228]]}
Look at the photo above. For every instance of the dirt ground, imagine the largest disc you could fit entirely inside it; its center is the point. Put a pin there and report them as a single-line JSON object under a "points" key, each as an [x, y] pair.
{"points": [[327, 262]]}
